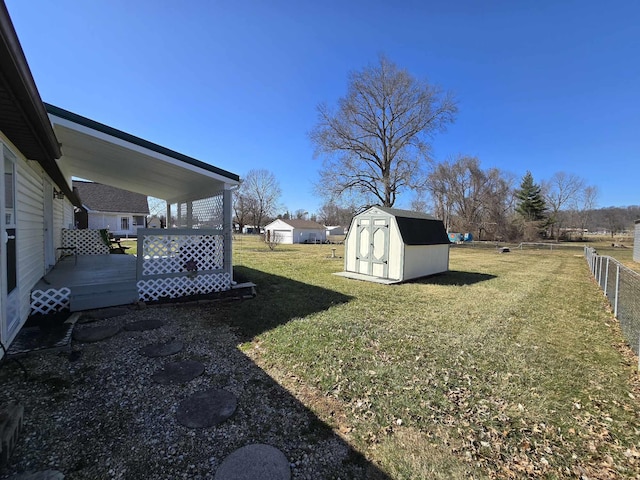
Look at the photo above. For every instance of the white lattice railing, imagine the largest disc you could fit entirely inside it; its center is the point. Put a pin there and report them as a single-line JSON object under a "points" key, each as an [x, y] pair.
{"points": [[180, 262], [86, 242]]}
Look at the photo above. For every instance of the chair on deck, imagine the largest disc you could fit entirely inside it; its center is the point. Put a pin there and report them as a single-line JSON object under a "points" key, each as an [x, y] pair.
{"points": [[112, 242]]}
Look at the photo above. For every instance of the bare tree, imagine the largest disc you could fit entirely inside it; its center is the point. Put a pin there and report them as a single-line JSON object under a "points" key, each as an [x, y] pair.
{"points": [[470, 199], [376, 141], [241, 208], [262, 193], [561, 191], [272, 239], [585, 204], [333, 214]]}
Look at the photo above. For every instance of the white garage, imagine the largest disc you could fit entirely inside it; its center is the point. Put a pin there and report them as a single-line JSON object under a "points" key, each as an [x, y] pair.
{"points": [[296, 231], [389, 245]]}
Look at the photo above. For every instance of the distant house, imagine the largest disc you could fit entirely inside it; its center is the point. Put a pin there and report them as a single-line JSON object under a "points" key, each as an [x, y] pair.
{"points": [[154, 222], [120, 211], [336, 230], [296, 231]]}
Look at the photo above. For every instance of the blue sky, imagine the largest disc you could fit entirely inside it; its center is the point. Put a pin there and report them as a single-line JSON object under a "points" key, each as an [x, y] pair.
{"points": [[544, 86]]}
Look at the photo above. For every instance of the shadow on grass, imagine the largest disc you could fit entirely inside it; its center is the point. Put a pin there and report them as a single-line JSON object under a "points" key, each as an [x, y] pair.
{"points": [[455, 277], [279, 300]]}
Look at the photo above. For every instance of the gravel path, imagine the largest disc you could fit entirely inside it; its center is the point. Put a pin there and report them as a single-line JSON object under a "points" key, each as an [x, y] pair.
{"points": [[97, 413]]}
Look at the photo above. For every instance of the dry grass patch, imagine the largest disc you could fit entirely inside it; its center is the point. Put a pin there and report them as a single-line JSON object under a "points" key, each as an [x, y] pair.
{"points": [[508, 366]]}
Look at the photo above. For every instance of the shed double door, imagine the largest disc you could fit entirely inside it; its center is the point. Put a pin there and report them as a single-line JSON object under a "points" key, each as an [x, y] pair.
{"points": [[373, 246]]}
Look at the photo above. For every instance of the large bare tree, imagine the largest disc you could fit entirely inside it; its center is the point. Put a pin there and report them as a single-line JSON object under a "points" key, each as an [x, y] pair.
{"points": [[259, 192], [560, 192], [376, 141]]}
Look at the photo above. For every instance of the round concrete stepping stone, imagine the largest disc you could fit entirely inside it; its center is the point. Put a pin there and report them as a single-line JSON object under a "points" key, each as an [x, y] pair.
{"points": [[206, 408], [95, 334], [165, 349], [143, 325], [178, 372], [255, 461]]}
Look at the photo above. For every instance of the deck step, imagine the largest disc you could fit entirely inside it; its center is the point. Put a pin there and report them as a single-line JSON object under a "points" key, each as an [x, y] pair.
{"points": [[88, 297]]}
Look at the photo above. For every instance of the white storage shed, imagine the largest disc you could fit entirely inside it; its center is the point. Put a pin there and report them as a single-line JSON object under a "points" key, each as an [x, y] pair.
{"points": [[389, 245], [296, 231]]}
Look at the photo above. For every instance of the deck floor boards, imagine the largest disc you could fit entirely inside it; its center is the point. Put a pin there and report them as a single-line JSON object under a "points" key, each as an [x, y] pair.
{"points": [[90, 270]]}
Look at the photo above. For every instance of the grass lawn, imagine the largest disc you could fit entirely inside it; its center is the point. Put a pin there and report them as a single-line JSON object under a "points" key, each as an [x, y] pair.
{"points": [[508, 366]]}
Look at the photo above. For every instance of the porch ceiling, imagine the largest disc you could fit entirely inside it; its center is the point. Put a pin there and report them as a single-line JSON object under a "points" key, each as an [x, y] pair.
{"points": [[96, 152]]}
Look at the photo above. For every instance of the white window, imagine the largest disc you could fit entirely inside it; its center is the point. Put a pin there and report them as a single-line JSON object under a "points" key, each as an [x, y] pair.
{"points": [[124, 223], [138, 220]]}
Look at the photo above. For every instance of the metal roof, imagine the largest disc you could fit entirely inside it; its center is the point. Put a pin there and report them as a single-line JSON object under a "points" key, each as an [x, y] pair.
{"points": [[97, 152]]}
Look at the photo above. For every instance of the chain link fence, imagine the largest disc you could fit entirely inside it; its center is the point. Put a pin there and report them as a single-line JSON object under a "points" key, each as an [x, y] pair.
{"points": [[621, 285]]}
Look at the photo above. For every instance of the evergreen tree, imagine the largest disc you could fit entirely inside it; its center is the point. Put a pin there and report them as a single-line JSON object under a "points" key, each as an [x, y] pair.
{"points": [[531, 203]]}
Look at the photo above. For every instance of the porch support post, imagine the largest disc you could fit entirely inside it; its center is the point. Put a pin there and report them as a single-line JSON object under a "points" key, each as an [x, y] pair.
{"points": [[227, 226], [167, 222], [189, 214]]}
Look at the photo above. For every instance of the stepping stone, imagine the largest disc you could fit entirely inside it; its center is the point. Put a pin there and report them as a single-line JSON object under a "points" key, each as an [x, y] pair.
{"points": [[103, 314], [161, 349], [95, 334], [254, 461], [206, 409], [178, 372], [43, 475], [143, 325]]}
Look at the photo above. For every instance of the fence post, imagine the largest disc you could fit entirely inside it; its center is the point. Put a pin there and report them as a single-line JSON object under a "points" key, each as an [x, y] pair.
{"points": [[606, 278], [615, 306]]}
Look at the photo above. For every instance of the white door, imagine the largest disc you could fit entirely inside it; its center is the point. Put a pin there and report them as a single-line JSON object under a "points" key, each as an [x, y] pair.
{"points": [[372, 242], [10, 307], [49, 250]]}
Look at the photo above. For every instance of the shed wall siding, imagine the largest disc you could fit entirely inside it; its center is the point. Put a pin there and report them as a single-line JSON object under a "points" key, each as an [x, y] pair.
{"points": [[636, 242], [350, 251], [423, 260], [395, 255]]}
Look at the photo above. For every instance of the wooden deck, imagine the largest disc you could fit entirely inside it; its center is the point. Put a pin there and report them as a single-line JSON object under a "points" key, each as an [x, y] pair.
{"points": [[95, 281]]}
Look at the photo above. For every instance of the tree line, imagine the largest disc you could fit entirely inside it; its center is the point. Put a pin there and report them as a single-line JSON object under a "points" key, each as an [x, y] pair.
{"points": [[375, 147]]}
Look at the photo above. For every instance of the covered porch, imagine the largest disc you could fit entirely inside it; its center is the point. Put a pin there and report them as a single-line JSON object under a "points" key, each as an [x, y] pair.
{"points": [[192, 256]]}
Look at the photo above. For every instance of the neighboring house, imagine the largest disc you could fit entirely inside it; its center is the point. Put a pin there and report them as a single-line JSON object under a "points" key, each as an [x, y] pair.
{"points": [[154, 222], [336, 230], [43, 147], [120, 211], [296, 231], [390, 245]]}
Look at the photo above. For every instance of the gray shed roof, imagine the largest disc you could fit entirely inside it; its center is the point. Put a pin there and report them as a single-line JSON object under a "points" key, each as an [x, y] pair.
{"points": [[303, 224], [417, 228], [105, 198]]}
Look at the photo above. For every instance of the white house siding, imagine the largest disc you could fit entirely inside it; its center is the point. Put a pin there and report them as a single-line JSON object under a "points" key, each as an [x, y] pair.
{"points": [[422, 260], [302, 236], [29, 230], [112, 221]]}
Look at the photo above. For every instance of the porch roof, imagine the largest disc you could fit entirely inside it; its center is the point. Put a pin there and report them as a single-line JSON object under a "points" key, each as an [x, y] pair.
{"points": [[97, 152]]}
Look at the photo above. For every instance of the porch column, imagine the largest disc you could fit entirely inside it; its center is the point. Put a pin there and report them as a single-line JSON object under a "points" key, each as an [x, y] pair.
{"points": [[227, 229], [189, 214], [178, 214], [167, 222]]}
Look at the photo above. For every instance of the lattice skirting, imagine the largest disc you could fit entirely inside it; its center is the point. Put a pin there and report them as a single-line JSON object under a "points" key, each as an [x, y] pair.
{"points": [[49, 301], [175, 287]]}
